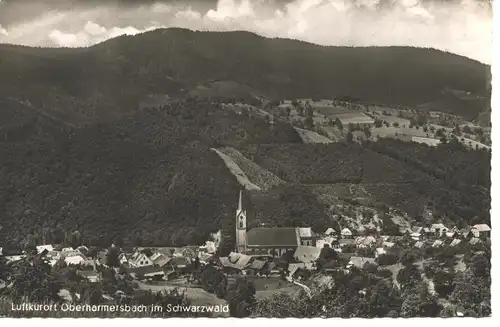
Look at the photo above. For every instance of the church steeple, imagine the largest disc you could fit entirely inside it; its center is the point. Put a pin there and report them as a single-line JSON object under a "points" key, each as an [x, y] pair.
{"points": [[240, 203], [241, 226]]}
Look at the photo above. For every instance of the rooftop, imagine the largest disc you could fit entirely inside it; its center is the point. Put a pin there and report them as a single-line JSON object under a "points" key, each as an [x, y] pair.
{"points": [[273, 237]]}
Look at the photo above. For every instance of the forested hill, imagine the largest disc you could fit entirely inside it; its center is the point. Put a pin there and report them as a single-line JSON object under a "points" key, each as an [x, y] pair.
{"points": [[147, 178], [114, 76], [111, 141]]}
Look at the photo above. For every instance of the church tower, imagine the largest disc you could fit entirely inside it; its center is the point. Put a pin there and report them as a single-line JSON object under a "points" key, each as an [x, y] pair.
{"points": [[241, 227]]}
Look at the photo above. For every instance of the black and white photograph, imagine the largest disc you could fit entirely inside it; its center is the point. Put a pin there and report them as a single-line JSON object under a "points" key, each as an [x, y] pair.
{"points": [[245, 158]]}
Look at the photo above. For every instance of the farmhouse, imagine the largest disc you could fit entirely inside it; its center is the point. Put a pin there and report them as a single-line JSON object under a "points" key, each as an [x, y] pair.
{"points": [[330, 232], [91, 276], [480, 231], [356, 119], [438, 230], [139, 259], [146, 272], [307, 254]]}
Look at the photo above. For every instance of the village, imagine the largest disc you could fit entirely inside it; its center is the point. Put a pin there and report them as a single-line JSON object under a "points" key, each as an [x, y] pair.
{"points": [[280, 257]]}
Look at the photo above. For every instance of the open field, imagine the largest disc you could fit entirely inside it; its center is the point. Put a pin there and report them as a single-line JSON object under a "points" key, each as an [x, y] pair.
{"points": [[393, 119], [469, 142], [394, 131], [270, 286], [427, 140], [333, 133], [198, 296], [354, 118], [331, 111]]}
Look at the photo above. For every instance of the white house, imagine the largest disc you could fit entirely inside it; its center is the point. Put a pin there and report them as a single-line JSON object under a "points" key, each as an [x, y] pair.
{"points": [[139, 259], [481, 230], [346, 233], [330, 232], [438, 229], [74, 260], [41, 248]]}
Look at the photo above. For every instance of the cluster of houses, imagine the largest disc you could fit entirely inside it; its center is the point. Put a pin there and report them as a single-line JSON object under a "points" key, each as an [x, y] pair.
{"points": [[307, 258], [139, 263], [436, 234]]}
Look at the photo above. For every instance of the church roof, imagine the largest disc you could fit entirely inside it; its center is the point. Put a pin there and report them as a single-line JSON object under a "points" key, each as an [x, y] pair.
{"points": [[273, 237]]}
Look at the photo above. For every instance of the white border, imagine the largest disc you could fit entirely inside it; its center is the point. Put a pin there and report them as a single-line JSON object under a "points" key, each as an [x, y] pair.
{"points": [[383, 322]]}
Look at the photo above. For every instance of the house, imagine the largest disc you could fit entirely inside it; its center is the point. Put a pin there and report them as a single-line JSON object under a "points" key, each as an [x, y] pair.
{"points": [[88, 263], [160, 260], [438, 230], [455, 242], [259, 266], [41, 248], [239, 259], [53, 255], [417, 229], [1, 250], [209, 247], [83, 249], [204, 257], [306, 236], [415, 236], [67, 249], [154, 256], [481, 231], [123, 257], [14, 258], [419, 244], [326, 240], [346, 241], [465, 232], [226, 263], [90, 275], [71, 253], [187, 252], [474, 240], [451, 234], [74, 260], [179, 263], [360, 262], [65, 295], [365, 241], [330, 232], [146, 272], [379, 251], [139, 259], [437, 243], [346, 233], [307, 254]]}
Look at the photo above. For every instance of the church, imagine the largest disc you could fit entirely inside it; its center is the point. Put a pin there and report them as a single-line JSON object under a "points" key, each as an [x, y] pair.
{"points": [[274, 241]]}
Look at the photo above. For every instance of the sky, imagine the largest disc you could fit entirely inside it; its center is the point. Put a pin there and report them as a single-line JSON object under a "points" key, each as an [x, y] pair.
{"points": [[458, 26]]}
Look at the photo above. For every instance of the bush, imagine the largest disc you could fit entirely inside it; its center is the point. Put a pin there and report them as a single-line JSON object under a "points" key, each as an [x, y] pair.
{"points": [[387, 259]]}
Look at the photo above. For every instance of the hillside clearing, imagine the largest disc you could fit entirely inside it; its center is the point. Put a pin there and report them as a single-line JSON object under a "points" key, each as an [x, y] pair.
{"points": [[312, 137], [237, 172], [258, 176]]}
